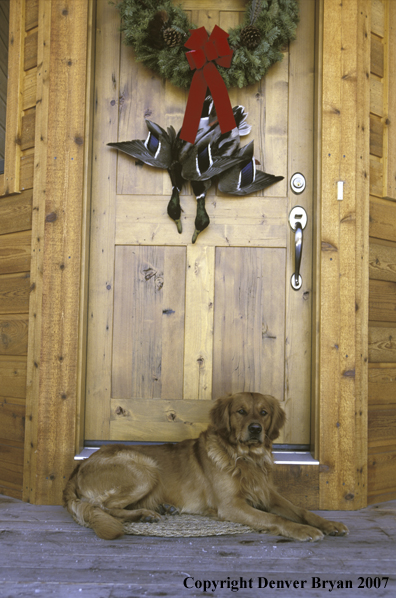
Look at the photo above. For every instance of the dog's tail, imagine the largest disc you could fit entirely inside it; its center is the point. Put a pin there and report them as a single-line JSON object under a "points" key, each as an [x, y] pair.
{"points": [[104, 525]]}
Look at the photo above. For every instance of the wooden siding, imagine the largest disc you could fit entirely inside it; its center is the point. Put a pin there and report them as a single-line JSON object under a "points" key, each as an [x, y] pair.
{"points": [[382, 260], [15, 241], [4, 18]]}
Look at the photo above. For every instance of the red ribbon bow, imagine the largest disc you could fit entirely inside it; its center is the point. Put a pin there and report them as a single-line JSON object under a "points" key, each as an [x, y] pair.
{"points": [[205, 52]]}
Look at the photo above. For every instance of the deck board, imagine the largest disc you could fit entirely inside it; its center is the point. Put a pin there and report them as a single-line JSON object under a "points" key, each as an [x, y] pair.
{"points": [[43, 552]]}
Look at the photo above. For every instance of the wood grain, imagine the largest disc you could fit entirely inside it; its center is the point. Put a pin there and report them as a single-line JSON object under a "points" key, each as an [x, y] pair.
{"points": [[38, 227], [141, 96], [32, 13], [28, 125], [13, 377], [376, 178], [104, 177], [27, 170], [12, 419], [30, 52], [298, 483], [14, 293], [13, 334], [382, 344], [382, 384], [233, 221], [249, 307], [344, 270], [148, 338], [390, 165], [11, 467], [377, 56], [382, 219], [61, 214], [376, 96], [29, 89], [198, 354], [15, 252], [378, 17], [382, 472], [382, 301], [299, 304], [381, 427], [158, 420], [382, 261], [14, 96], [85, 224], [376, 137], [16, 213]]}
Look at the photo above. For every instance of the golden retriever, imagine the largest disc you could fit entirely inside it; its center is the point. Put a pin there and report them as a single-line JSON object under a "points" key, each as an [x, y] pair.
{"points": [[225, 472]]}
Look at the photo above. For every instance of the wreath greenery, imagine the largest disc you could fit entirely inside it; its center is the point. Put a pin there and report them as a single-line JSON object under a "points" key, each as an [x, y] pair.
{"points": [[158, 30]]}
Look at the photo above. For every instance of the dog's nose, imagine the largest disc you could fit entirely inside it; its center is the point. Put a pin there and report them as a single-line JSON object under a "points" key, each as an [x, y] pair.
{"points": [[255, 429]]}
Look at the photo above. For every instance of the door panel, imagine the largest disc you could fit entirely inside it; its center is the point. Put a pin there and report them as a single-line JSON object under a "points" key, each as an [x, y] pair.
{"points": [[171, 325], [249, 322], [148, 344]]}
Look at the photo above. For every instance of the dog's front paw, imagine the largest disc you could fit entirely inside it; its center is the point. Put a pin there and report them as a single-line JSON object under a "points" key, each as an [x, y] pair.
{"points": [[306, 533], [334, 528], [149, 516]]}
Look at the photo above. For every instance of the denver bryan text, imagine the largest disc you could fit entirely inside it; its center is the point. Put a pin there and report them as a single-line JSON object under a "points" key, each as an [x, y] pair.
{"points": [[211, 585]]}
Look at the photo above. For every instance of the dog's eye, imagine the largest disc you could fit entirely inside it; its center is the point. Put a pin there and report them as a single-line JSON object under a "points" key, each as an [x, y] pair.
{"points": [[242, 411], [263, 412]]}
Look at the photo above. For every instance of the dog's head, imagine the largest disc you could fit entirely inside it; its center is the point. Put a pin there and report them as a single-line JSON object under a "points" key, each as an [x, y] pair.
{"points": [[248, 418]]}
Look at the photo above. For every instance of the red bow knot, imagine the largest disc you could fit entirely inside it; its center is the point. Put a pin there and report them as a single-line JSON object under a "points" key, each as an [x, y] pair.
{"points": [[205, 52]]}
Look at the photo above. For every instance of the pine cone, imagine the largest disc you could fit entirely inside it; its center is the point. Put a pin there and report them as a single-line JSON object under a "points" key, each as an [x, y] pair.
{"points": [[172, 37], [250, 37]]}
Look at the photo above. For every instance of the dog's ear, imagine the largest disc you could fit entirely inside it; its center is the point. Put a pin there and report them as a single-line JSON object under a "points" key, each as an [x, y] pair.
{"points": [[277, 420], [220, 413]]}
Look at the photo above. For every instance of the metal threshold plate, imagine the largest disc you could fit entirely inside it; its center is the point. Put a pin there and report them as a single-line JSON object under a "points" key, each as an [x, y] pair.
{"points": [[280, 457]]}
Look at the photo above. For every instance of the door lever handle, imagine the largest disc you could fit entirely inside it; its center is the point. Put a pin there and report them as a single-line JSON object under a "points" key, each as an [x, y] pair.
{"points": [[298, 221], [296, 279]]}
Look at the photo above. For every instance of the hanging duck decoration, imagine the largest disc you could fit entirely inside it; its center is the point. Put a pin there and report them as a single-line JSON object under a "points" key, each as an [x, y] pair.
{"points": [[213, 155]]}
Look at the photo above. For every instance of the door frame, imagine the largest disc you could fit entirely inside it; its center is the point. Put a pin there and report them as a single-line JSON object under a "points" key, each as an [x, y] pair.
{"points": [[340, 236]]}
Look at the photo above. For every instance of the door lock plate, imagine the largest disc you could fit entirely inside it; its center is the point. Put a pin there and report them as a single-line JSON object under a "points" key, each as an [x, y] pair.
{"points": [[297, 183], [298, 216]]}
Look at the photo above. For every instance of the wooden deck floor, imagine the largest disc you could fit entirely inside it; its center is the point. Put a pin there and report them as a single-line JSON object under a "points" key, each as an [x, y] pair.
{"points": [[44, 553]]}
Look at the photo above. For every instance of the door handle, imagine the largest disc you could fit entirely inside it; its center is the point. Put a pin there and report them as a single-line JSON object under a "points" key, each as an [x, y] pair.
{"points": [[298, 221]]}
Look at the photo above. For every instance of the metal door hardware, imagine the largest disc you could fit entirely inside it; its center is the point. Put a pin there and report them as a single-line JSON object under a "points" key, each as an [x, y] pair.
{"points": [[297, 183], [298, 221]]}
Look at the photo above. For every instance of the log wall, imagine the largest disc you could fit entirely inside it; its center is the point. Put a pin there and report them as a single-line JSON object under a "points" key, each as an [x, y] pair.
{"points": [[382, 260], [16, 192]]}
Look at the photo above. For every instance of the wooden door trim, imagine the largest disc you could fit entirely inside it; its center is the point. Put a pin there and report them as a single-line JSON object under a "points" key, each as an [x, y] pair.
{"points": [[340, 332], [340, 307]]}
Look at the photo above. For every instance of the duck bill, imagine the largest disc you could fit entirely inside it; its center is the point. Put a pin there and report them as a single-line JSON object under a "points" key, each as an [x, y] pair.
{"points": [[195, 236]]}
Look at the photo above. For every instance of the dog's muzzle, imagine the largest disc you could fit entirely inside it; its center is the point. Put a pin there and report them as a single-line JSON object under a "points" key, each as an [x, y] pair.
{"points": [[255, 431]]}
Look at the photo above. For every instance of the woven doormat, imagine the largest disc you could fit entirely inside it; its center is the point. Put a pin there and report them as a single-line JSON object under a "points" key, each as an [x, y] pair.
{"points": [[186, 526]]}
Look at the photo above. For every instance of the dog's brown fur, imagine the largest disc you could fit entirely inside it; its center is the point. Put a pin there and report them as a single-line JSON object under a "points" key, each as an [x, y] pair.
{"points": [[225, 472]]}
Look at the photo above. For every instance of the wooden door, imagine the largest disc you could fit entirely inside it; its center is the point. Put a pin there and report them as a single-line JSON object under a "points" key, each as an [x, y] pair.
{"points": [[171, 325]]}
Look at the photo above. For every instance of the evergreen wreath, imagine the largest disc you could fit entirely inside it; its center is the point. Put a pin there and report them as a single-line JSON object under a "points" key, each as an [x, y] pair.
{"points": [[158, 30]]}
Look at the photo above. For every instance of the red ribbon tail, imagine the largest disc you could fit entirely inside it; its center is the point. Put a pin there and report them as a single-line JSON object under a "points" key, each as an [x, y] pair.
{"points": [[220, 97], [195, 101]]}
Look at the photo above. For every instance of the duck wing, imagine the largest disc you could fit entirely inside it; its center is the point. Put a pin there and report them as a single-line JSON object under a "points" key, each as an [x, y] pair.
{"points": [[244, 178], [213, 154], [155, 151], [213, 151]]}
